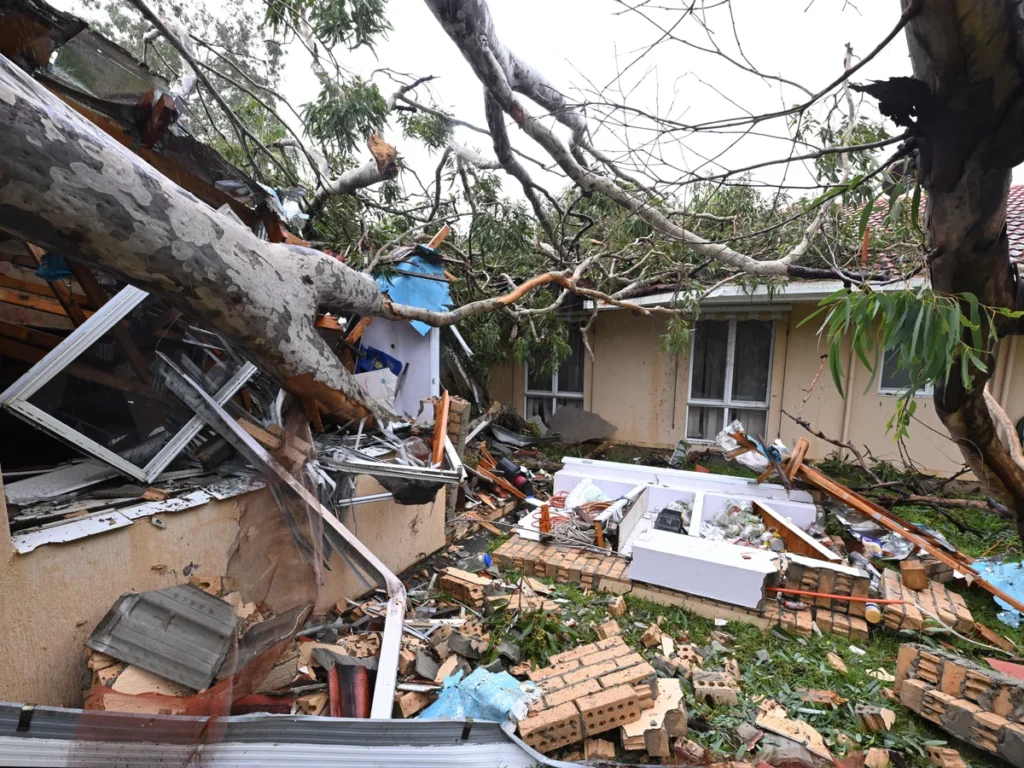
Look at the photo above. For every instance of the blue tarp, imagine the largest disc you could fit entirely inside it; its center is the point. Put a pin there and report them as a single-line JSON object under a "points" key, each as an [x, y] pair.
{"points": [[483, 695], [416, 291], [1008, 577]]}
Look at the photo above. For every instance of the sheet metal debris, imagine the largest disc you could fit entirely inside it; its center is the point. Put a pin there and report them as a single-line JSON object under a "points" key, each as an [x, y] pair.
{"points": [[180, 633]]}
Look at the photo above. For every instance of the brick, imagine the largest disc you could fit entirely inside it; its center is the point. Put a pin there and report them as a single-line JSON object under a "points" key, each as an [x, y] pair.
{"points": [[598, 749], [952, 678], [912, 574], [571, 693], [912, 694], [575, 653], [945, 757], [609, 709], [550, 729], [410, 703], [608, 629], [933, 707], [651, 636], [987, 731], [602, 656], [540, 675], [1011, 745], [715, 688], [958, 718], [617, 610], [629, 676], [592, 672]]}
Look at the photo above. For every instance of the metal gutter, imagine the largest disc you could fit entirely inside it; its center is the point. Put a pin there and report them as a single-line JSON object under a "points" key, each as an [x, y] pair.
{"points": [[195, 397], [53, 736], [815, 290]]}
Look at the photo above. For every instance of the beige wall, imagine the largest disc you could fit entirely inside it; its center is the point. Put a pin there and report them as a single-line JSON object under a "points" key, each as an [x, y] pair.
{"points": [[51, 599], [643, 391]]}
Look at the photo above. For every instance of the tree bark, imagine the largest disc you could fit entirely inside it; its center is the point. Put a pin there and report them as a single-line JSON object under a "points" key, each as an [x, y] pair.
{"points": [[968, 133], [67, 186]]}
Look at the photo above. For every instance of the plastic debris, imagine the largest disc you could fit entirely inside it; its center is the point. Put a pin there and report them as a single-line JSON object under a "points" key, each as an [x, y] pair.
{"points": [[483, 695]]}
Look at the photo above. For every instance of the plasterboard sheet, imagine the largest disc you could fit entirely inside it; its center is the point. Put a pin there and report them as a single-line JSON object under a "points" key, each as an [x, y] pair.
{"points": [[635, 474], [64, 531], [713, 569], [50, 485]]}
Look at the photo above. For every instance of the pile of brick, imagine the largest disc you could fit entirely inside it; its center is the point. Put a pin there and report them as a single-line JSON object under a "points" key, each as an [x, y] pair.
{"points": [[803, 573], [980, 706], [596, 571], [588, 691], [933, 601]]}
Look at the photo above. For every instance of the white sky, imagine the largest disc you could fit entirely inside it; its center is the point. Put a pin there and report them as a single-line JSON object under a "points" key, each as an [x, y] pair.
{"points": [[573, 41]]}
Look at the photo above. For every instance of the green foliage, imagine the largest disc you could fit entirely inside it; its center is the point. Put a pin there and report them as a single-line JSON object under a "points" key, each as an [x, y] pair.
{"points": [[352, 23], [434, 131], [934, 337], [343, 115]]}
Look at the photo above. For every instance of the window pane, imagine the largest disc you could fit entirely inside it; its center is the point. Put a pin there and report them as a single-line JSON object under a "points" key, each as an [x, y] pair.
{"points": [[539, 406], [752, 365], [754, 420], [535, 380], [704, 423], [710, 345], [570, 372], [892, 376]]}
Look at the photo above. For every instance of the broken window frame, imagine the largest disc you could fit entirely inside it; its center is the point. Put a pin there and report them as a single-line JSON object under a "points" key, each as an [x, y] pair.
{"points": [[727, 404], [926, 391], [555, 393], [15, 398]]}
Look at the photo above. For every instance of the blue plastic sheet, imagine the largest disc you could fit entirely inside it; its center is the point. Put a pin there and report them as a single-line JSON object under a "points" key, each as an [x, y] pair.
{"points": [[1009, 577], [417, 291], [483, 695]]}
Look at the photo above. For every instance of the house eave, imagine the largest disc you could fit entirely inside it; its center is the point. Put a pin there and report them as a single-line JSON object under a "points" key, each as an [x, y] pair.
{"points": [[737, 295]]}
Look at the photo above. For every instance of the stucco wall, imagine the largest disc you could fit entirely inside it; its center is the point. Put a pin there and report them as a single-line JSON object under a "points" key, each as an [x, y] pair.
{"points": [[644, 391], [52, 598]]}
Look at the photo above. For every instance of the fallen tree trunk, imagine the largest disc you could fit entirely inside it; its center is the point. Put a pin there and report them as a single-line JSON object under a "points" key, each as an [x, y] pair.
{"points": [[69, 187]]}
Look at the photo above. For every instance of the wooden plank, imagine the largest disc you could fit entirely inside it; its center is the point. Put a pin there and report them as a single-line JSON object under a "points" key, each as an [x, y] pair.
{"points": [[30, 301], [797, 541], [38, 289], [440, 430], [59, 289], [98, 297], [29, 335]]}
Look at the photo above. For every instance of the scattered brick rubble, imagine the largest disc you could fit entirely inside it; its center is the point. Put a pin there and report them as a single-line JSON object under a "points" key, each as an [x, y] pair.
{"points": [[977, 705]]}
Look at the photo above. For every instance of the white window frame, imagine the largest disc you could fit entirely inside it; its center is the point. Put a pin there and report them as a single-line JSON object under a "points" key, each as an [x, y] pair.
{"points": [[727, 403], [926, 391], [554, 393], [16, 397]]}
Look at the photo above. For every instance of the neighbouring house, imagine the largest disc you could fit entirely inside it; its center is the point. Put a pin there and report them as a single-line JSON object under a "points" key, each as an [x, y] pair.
{"points": [[750, 358]]}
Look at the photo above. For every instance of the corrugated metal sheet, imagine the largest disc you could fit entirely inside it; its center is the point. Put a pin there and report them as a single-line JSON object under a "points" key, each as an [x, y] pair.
{"points": [[179, 632]]}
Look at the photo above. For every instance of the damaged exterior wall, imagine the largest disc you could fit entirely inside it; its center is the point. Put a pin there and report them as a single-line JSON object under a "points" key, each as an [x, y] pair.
{"points": [[641, 390], [53, 597]]}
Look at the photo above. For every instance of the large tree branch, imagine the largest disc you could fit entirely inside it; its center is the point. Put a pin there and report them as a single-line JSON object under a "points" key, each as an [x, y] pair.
{"points": [[470, 26]]}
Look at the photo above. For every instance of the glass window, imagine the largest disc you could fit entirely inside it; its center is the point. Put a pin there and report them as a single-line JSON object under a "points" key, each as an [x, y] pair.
{"points": [[730, 375], [710, 349], [892, 379], [546, 393], [753, 358]]}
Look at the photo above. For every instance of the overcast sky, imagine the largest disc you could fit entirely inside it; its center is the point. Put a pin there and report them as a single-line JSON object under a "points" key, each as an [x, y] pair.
{"points": [[579, 44]]}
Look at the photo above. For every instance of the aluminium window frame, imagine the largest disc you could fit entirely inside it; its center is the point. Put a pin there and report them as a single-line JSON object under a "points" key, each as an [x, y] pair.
{"points": [[15, 398], [727, 404]]}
